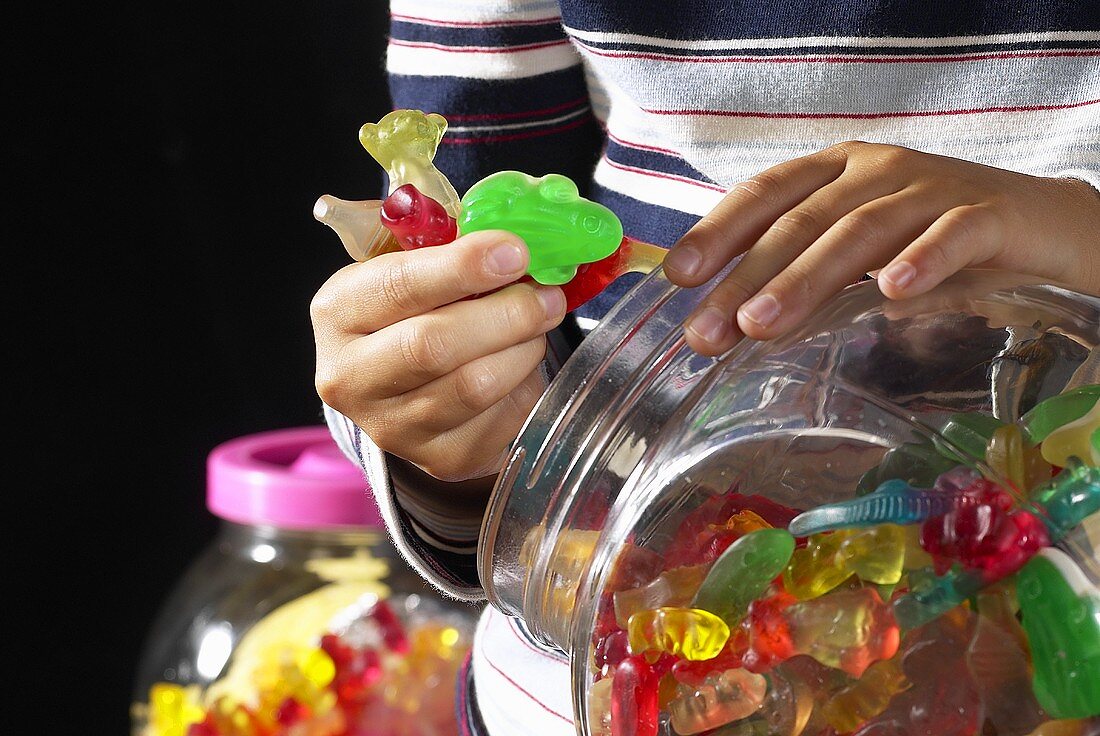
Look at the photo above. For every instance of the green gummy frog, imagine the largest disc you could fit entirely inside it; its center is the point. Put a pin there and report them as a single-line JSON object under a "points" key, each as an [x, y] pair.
{"points": [[562, 229], [1061, 615]]}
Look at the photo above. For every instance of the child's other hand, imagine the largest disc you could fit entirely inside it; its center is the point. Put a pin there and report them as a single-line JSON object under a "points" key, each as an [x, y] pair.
{"points": [[443, 383], [811, 226]]}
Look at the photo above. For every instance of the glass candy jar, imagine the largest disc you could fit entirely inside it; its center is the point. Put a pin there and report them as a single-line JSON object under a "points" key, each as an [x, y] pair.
{"points": [[884, 523], [300, 618]]}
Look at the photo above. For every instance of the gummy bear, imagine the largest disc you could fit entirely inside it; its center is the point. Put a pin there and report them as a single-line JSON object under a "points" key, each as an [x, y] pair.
{"points": [[1069, 727], [173, 709], [1074, 440], [876, 554], [599, 707], [893, 502], [404, 143], [866, 697], [687, 632], [635, 706], [415, 220], [849, 629], [1058, 411], [1006, 454], [561, 229], [674, 587], [768, 634], [1060, 610], [359, 226], [943, 700], [743, 573], [725, 696]]}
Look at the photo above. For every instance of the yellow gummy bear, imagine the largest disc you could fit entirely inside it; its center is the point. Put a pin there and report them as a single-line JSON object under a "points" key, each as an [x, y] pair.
{"points": [[404, 143], [1012, 459], [876, 554]]}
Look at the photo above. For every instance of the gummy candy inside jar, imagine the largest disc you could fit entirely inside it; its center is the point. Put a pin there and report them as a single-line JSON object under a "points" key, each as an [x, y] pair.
{"points": [[886, 523], [299, 619]]}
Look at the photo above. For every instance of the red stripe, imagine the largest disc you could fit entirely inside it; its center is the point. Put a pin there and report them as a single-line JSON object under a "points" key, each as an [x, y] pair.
{"points": [[870, 115], [477, 24], [517, 686], [837, 59], [662, 175], [540, 652], [479, 49], [520, 114], [517, 136], [642, 146]]}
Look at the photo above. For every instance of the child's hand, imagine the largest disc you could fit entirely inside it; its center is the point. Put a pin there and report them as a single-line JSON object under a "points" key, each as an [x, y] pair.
{"points": [[811, 226], [443, 383]]}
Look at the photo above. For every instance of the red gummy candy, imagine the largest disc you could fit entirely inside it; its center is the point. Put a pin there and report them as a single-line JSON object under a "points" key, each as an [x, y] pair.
{"points": [[768, 633], [592, 278], [635, 698], [612, 649], [983, 533], [393, 632], [290, 711], [417, 220], [694, 674]]}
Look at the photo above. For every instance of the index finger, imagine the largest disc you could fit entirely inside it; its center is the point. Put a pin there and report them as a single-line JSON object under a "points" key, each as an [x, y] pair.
{"points": [[747, 212], [365, 297]]}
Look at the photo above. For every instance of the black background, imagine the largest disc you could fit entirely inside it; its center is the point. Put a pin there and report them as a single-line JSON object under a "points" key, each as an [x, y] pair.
{"points": [[163, 167]]}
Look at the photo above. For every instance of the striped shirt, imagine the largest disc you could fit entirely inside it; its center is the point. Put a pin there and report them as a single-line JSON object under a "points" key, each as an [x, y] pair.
{"points": [[656, 109]]}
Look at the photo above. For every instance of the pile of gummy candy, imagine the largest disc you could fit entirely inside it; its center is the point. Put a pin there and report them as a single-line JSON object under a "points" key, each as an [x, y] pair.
{"points": [[573, 242], [939, 604], [376, 676]]}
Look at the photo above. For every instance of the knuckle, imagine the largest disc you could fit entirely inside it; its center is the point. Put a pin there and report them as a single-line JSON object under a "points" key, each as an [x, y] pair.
{"points": [[765, 188], [735, 287], [968, 223], [395, 286], [803, 222], [475, 388], [850, 147], [423, 350], [860, 227]]}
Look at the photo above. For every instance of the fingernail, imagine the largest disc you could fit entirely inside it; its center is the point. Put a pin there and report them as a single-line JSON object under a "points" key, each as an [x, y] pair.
{"points": [[762, 309], [553, 301], [685, 260], [711, 325], [505, 259], [899, 274]]}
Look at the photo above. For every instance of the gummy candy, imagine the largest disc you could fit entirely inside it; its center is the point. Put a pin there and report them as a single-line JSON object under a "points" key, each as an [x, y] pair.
{"points": [[687, 632], [561, 229], [986, 535], [932, 595], [723, 697], [849, 629], [943, 700], [969, 432], [866, 697], [173, 708], [635, 705], [893, 502], [632, 256], [1058, 411], [916, 463], [1069, 727], [673, 587], [1060, 610], [768, 634], [1069, 498], [875, 554], [1074, 440], [1007, 456], [998, 661], [358, 225], [415, 220], [599, 707], [404, 143], [743, 573]]}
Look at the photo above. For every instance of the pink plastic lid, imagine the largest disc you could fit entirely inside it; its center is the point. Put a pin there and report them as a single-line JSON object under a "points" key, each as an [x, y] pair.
{"points": [[292, 478]]}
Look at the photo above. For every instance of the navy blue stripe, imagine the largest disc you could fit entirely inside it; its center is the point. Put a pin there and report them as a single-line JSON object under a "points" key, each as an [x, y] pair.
{"points": [[654, 161], [717, 19], [925, 51], [458, 95], [493, 36]]}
